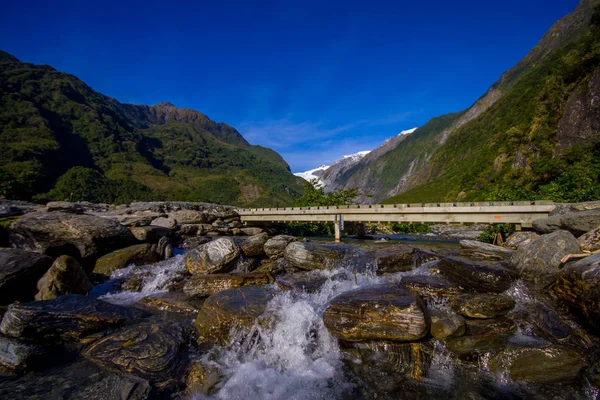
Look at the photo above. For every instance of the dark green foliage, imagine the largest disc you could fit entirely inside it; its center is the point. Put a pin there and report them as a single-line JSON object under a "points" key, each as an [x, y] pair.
{"points": [[314, 195], [477, 161], [490, 233], [51, 123], [410, 228]]}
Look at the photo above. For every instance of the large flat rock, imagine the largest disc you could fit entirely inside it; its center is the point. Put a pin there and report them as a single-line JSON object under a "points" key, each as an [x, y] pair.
{"points": [[19, 272]]}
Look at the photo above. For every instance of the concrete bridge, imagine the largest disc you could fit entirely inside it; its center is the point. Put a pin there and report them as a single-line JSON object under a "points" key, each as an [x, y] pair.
{"points": [[519, 213]]}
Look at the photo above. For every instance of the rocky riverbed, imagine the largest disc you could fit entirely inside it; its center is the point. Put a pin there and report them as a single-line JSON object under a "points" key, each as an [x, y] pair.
{"points": [[180, 300]]}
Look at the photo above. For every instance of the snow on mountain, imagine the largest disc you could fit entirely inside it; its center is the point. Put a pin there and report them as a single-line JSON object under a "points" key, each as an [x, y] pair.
{"points": [[407, 132], [313, 173]]}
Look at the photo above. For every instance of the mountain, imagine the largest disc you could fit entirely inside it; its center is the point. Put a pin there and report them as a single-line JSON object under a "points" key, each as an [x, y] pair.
{"points": [[534, 134], [326, 174], [60, 136]]}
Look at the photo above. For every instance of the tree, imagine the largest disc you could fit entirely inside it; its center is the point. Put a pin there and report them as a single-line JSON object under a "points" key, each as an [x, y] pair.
{"points": [[314, 195]]}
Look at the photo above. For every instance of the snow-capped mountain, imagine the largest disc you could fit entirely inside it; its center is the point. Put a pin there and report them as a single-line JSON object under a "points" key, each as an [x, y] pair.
{"points": [[313, 173], [325, 172]]}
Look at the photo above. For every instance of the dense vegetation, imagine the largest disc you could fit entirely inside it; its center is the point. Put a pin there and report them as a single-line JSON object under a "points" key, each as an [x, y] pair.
{"points": [[60, 137], [513, 150]]}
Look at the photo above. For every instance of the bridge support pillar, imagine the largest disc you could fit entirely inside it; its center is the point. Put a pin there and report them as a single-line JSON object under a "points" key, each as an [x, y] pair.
{"points": [[338, 223]]}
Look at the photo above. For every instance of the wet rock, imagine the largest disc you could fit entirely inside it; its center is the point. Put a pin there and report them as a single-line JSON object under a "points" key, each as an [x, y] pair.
{"points": [[207, 285], [216, 256], [447, 326], [150, 234], [137, 254], [470, 347], [18, 355], [168, 223], [485, 250], [11, 208], [161, 248], [306, 282], [544, 321], [254, 246], [19, 272], [478, 276], [275, 246], [65, 276], [250, 231], [552, 364], [64, 318], [539, 262], [518, 239], [64, 206], [201, 378], [135, 220], [578, 223], [81, 380], [398, 260], [482, 306], [275, 267], [578, 285], [310, 256], [389, 366], [430, 285], [590, 241], [232, 308], [189, 229], [382, 312], [493, 326], [150, 351], [176, 302], [193, 242], [84, 237], [191, 217]]}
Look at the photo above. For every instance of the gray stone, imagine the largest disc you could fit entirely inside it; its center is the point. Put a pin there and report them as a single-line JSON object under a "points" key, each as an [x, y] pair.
{"points": [[194, 242], [216, 256], [64, 206], [251, 231], [65, 318], [382, 312], [191, 217], [18, 355], [485, 249], [65, 276], [578, 223], [150, 234], [518, 239], [19, 272], [477, 276], [539, 262], [85, 237], [207, 285], [168, 223], [310, 256], [275, 246], [482, 306], [590, 241], [447, 326], [254, 246]]}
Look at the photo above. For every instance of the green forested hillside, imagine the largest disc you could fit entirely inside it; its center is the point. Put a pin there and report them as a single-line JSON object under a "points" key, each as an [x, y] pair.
{"points": [[60, 136], [541, 140]]}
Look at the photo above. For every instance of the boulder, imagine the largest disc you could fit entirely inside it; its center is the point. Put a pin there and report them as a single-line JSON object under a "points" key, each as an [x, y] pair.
{"points": [[147, 350], [430, 285], [65, 318], [251, 231], [81, 380], [84, 237], [485, 250], [482, 306], [544, 322], [578, 285], [18, 355], [518, 239], [590, 241], [478, 276], [64, 206], [137, 254], [493, 326], [150, 234], [11, 208], [207, 285], [398, 260], [539, 262], [382, 312], [254, 246], [19, 272], [275, 246], [551, 364], [310, 256], [302, 282], [471, 347], [168, 223], [586, 206], [578, 223], [447, 326], [193, 242], [191, 217], [65, 276], [176, 302], [201, 378], [135, 220], [189, 229], [216, 256], [232, 308]]}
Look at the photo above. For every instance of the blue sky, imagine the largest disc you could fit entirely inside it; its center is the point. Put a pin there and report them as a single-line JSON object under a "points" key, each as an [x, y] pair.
{"points": [[313, 80]]}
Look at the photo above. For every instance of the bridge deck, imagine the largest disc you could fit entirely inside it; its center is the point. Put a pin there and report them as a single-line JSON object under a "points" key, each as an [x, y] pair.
{"points": [[521, 213]]}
